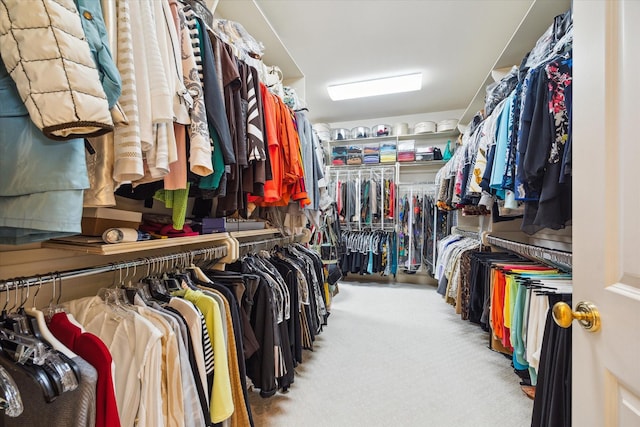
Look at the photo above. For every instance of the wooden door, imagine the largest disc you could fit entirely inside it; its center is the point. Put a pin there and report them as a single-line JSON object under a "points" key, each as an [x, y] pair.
{"points": [[606, 211]]}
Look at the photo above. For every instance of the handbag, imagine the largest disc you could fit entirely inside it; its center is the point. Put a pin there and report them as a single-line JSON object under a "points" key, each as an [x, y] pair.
{"points": [[326, 247], [335, 274], [447, 152]]}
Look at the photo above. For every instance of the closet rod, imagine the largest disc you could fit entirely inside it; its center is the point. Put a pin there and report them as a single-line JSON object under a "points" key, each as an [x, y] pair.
{"points": [[215, 252], [466, 233], [560, 258], [247, 247]]}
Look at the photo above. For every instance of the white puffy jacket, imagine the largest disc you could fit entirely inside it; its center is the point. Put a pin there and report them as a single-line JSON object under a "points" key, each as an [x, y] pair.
{"points": [[45, 51]]}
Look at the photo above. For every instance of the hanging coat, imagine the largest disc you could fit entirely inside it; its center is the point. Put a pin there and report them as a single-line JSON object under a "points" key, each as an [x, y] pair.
{"points": [[44, 48]]}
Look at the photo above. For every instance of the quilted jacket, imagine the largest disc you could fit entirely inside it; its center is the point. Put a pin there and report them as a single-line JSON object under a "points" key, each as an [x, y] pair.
{"points": [[44, 48]]}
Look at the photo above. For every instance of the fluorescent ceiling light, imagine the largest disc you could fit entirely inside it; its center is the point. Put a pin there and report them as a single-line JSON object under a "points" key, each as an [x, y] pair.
{"points": [[384, 86]]}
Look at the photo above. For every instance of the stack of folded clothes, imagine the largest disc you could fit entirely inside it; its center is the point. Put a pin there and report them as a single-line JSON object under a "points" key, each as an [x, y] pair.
{"points": [[160, 230], [354, 155], [339, 156], [387, 152], [372, 153], [406, 151]]}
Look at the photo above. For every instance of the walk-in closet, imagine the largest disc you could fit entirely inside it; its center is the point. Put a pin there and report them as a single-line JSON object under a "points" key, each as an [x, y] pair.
{"points": [[266, 213]]}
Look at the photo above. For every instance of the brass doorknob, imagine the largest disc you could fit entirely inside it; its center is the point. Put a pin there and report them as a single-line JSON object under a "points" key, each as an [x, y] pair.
{"points": [[586, 313]]}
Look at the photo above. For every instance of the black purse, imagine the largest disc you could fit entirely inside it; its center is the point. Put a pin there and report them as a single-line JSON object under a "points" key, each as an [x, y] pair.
{"points": [[335, 274]]}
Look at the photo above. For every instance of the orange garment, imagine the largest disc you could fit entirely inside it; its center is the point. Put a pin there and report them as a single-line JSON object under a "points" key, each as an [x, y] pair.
{"points": [[285, 153], [497, 303], [272, 187]]}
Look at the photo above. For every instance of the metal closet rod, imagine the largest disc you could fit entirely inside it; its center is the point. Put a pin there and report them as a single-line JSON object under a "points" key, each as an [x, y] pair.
{"points": [[253, 244], [465, 233], [21, 282], [537, 252]]}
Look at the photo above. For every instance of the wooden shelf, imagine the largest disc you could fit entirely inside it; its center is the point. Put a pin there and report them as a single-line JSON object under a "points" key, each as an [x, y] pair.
{"points": [[79, 244], [254, 233]]}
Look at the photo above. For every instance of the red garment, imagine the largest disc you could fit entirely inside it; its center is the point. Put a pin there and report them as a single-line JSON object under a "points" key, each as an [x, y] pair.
{"points": [[95, 352]]}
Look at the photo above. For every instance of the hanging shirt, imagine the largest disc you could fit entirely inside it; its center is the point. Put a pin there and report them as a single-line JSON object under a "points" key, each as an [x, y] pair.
{"points": [[72, 408], [192, 317], [136, 349], [92, 349], [221, 398], [171, 384], [501, 149]]}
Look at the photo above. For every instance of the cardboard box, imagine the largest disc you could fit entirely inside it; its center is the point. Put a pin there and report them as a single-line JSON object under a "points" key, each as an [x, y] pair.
{"points": [[96, 221]]}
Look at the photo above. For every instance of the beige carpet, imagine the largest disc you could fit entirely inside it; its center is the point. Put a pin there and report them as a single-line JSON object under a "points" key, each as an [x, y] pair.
{"points": [[397, 355]]}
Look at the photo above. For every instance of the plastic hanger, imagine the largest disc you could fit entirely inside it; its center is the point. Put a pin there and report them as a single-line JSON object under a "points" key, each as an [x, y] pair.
{"points": [[113, 297], [52, 308], [16, 320], [10, 399], [44, 331], [57, 364]]}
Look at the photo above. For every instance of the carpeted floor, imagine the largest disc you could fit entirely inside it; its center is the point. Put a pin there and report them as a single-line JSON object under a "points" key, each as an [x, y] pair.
{"points": [[397, 355]]}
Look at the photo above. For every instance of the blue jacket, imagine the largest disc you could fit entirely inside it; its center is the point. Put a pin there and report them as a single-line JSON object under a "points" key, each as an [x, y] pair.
{"points": [[41, 180], [95, 31]]}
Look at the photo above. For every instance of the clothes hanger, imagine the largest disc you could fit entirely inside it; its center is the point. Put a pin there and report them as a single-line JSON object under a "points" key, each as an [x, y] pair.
{"points": [[42, 327], [17, 320], [33, 354], [113, 297], [52, 308], [11, 400]]}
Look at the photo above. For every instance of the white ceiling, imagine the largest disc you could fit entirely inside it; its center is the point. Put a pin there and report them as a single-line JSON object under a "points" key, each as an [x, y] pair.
{"points": [[454, 43]]}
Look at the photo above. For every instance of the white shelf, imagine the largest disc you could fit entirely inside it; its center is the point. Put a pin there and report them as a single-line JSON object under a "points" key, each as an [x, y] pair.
{"points": [[419, 136], [425, 163], [428, 164]]}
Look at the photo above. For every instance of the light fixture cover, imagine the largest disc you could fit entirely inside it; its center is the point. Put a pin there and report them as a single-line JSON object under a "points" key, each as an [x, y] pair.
{"points": [[384, 86]]}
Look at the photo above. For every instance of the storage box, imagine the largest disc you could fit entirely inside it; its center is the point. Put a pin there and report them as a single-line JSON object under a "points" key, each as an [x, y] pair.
{"points": [[221, 225], [424, 153], [406, 156], [387, 152], [96, 221], [339, 156], [209, 225], [371, 153], [354, 155], [243, 225]]}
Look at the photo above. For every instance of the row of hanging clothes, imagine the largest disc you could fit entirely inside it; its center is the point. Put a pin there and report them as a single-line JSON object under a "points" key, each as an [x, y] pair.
{"points": [[180, 346], [510, 297], [365, 196], [291, 294], [517, 154], [415, 226], [178, 105], [369, 252], [437, 225]]}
